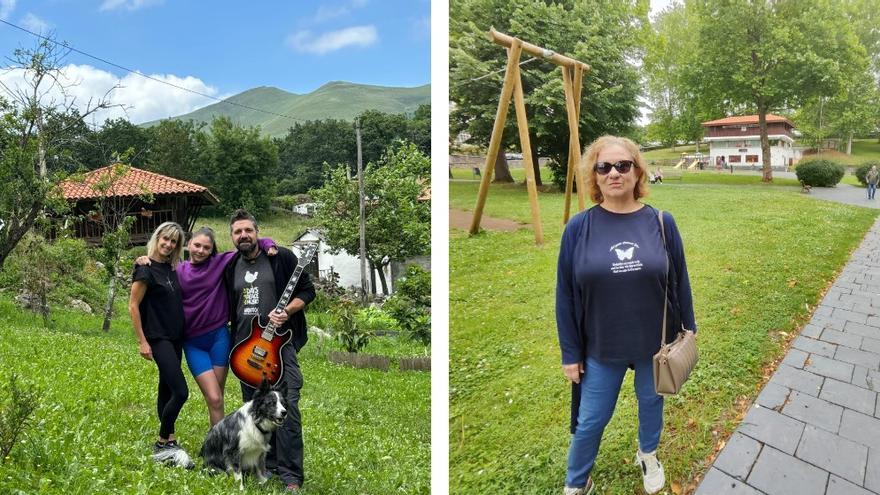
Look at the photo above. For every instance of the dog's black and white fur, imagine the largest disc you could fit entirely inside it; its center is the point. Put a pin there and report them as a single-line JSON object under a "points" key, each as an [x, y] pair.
{"points": [[240, 441]]}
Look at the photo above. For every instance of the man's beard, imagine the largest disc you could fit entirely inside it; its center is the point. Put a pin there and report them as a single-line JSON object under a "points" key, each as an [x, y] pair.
{"points": [[247, 247]]}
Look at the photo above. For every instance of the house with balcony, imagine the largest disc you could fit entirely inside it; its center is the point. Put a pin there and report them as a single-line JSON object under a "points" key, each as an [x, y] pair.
{"points": [[736, 142]]}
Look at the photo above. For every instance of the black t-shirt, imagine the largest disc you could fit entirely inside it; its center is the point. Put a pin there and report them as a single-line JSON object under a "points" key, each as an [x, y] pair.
{"points": [[162, 306]]}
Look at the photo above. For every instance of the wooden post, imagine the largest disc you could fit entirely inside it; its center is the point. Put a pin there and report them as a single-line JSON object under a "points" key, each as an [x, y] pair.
{"points": [[578, 86], [523, 127], [574, 152], [513, 54]]}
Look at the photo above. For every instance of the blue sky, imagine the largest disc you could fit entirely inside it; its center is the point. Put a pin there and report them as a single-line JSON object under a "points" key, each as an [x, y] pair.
{"points": [[222, 48]]}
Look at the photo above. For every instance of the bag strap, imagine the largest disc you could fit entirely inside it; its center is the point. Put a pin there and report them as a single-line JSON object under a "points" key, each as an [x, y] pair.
{"points": [[666, 286]]}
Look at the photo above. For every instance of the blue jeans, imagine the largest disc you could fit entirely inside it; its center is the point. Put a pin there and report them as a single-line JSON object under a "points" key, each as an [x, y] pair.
{"points": [[600, 386], [872, 188]]}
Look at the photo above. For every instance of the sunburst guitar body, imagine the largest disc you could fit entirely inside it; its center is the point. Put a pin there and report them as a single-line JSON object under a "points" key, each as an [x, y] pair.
{"points": [[259, 356]]}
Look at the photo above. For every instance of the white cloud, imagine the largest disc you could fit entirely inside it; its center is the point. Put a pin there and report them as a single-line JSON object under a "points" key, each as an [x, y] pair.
{"points": [[129, 5], [143, 99], [34, 24], [326, 12], [305, 41], [6, 8]]}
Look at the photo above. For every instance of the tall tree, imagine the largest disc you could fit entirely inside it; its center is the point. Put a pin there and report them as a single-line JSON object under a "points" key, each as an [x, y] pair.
{"points": [[28, 174], [241, 166], [175, 149], [772, 55], [607, 35], [308, 146], [118, 137], [398, 224]]}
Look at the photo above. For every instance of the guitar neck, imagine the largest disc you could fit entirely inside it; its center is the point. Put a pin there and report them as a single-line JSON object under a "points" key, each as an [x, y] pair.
{"points": [[288, 291]]}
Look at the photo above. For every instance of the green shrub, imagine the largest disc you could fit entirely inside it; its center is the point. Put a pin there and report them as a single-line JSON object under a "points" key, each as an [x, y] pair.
{"points": [[375, 319], [346, 328], [819, 173], [16, 414], [411, 304], [862, 171]]}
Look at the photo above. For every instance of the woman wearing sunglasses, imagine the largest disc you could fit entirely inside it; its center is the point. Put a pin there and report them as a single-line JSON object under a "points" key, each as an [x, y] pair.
{"points": [[610, 296]]}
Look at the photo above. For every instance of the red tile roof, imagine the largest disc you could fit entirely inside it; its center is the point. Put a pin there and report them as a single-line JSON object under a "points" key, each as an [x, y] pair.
{"points": [[746, 119], [135, 182]]}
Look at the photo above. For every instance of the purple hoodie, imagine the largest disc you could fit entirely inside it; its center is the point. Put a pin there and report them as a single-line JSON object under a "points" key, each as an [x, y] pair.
{"points": [[205, 304]]}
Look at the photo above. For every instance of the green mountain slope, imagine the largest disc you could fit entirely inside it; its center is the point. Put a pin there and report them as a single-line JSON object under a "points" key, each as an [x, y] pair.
{"points": [[334, 100]]}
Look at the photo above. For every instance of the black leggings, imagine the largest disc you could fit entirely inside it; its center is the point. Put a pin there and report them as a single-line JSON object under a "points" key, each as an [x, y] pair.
{"points": [[173, 391]]}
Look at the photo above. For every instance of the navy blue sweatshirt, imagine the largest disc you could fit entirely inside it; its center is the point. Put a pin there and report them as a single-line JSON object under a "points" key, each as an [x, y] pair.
{"points": [[610, 285]]}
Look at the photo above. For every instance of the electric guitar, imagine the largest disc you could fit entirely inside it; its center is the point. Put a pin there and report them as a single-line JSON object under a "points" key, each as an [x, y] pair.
{"points": [[259, 356]]}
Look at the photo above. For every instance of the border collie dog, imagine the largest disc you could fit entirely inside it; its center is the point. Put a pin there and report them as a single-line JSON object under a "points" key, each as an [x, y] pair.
{"points": [[239, 442]]}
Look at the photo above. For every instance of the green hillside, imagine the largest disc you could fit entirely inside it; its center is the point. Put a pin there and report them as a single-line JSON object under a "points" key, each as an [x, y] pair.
{"points": [[334, 100]]}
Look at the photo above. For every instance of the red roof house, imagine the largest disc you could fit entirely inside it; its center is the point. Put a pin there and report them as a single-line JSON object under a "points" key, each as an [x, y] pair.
{"points": [[173, 200]]}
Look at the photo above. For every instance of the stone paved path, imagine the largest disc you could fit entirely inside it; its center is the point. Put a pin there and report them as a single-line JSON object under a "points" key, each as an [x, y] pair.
{"points": [[815, 428]]}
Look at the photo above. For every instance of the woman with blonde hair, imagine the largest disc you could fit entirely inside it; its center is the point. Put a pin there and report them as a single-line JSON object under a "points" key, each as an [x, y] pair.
{"points": [[156, 310], [613, 272]]}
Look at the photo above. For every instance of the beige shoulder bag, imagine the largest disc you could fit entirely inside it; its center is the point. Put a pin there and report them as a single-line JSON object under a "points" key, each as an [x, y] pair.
{"points": [[673, 362]]}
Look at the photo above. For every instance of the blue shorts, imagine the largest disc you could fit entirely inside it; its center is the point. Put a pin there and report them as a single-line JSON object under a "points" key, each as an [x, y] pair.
{"points": [[207, 350]]}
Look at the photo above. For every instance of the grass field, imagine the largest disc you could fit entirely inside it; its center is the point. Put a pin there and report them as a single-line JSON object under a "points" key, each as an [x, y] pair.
{"points": [[365, 431], [759, 258]]}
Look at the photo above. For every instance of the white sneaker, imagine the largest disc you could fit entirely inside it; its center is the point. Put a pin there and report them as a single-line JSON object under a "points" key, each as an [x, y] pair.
{"points": [[653, 478], [579, 491]]}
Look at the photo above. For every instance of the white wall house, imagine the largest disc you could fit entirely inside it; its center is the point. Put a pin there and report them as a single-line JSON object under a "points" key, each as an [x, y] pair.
{"points": [[307, 209], [348, 266], [736, 142]]}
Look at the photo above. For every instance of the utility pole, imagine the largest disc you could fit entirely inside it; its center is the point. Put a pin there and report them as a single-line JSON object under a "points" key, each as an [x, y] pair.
{"points": [[363, 226]]}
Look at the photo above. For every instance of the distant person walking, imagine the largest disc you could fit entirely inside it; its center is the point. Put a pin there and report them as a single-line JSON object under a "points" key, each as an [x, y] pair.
{"points": [[872, 177]]}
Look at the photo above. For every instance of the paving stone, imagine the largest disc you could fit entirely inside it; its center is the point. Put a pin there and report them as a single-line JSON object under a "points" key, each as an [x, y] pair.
{"points": [[824, 310], [874, 321], [839, 486], [826, 321], [781, 474], [842, 314], [838, 304], [872, 471], [870, 345], [739, 455], [837, 337], [814, 411], [811, 330], [864, 330], [717, 483], [860, 428], [772, 428], [829, 367], [860, 378], [867, 309], [814, 346], [850, 396], [796, 379], [833, 453], [796, 358], [773, 396], [855, 299], [862, 358]]}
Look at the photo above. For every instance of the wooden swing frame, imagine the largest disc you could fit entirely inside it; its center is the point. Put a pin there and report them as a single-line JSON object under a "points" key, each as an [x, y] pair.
{"points": [[572, 78]]}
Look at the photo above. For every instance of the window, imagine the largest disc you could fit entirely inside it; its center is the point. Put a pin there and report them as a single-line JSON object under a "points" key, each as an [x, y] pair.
{"points": [[733, 159], [751, 158]]}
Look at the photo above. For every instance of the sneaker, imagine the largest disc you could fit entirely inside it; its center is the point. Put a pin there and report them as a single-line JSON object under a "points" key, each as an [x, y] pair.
{"points": [[653, 478], [586, 490], [293, 488], [159, 446]]}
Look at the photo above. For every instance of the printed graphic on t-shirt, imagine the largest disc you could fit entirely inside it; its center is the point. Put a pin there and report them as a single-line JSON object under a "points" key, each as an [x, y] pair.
{"points": [[624, 253], [251, 295]]}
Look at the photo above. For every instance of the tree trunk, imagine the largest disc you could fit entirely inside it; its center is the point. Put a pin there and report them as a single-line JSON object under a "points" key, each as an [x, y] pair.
{"points": [[381, 269], [533, 138], [849, 145], [17, 229], [765, 142], [502, 171], [108, 308]]}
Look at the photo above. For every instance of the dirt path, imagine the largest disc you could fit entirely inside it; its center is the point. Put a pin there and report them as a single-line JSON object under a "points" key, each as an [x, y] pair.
{"points": [[461, 219]]}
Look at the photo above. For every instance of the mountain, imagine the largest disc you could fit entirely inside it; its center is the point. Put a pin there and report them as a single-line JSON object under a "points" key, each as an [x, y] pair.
{"points": [[334, 100]]}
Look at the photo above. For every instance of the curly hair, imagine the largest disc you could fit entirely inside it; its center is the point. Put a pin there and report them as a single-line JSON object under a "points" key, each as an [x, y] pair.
{"points": [[591, 153]]}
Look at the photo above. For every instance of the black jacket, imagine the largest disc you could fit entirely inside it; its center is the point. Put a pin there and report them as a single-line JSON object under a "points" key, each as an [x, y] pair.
{"points": [[283, 265]]}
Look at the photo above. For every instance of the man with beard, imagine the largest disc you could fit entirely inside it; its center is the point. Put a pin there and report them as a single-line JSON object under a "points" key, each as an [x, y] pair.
{"points": [[255, 283]]}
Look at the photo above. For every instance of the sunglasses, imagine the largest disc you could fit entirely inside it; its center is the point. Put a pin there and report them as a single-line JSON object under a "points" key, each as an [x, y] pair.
{"points": [[623, 166]]}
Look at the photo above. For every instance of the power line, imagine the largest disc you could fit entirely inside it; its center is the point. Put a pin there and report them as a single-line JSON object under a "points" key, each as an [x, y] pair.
{"points": [[69, 47]]}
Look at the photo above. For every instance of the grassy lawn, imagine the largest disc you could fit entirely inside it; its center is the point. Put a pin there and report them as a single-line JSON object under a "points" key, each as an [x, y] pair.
{"points": [[759, 258], [366, 431], [282, 228]]}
